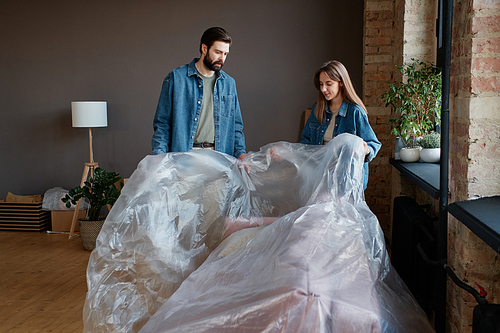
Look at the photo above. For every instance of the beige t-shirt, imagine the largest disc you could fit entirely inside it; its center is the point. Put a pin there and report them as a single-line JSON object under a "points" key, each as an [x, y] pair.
{"points": [[329, 131], [205, 132]]}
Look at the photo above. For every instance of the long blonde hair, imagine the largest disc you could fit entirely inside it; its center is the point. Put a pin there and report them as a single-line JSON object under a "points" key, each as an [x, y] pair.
{"points": [[337, 72]]}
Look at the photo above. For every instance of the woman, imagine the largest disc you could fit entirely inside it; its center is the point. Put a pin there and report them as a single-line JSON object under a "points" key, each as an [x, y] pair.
{"points": [[337, 100]]}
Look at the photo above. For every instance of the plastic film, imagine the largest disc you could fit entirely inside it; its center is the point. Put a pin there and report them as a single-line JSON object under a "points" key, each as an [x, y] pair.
{"points": [[197, 244]]}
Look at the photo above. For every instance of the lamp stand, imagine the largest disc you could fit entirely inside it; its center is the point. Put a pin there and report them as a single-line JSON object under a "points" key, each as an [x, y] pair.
{"points": [[88, 169]]}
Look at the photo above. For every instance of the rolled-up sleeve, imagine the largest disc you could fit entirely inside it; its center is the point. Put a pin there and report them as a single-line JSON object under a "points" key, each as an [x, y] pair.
{"points": [[239, 137], [366, 132]]}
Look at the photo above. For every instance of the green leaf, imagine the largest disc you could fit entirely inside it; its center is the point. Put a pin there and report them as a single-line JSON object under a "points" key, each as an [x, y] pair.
{"points": [[416, 100], [99, 189]]}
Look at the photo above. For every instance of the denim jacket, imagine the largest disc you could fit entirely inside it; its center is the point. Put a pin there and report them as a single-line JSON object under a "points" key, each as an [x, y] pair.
{"points": [[350, 119], [179, 108]]}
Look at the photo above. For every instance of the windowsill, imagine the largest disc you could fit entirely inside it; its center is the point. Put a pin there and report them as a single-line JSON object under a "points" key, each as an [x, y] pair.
{"points": [[424, 175], [481, 217]]}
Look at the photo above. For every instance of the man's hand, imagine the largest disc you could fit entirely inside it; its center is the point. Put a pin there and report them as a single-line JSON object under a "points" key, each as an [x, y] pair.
{"points": [[241, 164]]}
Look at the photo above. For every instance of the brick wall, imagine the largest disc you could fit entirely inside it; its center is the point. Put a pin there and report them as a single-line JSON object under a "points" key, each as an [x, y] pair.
{"points": [[395, 31], [379, 67], [474, 149], [419, 30]]}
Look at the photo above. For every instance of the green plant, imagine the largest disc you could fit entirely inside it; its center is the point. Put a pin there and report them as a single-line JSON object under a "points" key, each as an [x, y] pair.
{"points": [[416, 102], [430, 140], [100, 190]]}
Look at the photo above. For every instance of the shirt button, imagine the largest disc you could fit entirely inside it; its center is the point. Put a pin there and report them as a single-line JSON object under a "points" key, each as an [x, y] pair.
{"points": [[192, 137], [199, 102], [195, 119], [199, 86]]}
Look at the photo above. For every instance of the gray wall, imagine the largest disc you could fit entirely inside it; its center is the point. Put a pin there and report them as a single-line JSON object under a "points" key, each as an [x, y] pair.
{"points": [[55, 52]]}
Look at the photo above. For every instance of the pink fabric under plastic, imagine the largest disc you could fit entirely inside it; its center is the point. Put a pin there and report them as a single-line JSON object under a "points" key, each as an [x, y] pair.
{"points": [[197, 244]]}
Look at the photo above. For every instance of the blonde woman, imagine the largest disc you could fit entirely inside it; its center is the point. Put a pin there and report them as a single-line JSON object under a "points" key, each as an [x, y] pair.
{"points": [[339, 110]]}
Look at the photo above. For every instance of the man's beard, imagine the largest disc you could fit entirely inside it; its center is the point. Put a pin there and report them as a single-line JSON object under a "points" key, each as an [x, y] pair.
{"points": [[212, 64]]}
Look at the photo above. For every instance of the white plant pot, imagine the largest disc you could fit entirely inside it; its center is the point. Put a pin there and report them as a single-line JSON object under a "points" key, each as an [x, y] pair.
{"points": [[409, 154], [430, 155]]}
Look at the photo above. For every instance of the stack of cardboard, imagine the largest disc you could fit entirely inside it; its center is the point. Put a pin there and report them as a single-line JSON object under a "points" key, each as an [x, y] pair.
{"points": [[23, 216]]}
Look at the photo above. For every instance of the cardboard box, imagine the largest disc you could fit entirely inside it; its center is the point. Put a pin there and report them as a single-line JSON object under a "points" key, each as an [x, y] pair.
{"points": [[61, 219]]}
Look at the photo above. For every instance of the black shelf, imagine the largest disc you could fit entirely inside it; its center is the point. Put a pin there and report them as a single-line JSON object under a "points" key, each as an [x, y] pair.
{"points": [[424, 175], [482, 217]]}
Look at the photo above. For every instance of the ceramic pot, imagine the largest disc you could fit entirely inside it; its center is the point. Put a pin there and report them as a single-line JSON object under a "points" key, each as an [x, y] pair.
{"points": [[430, 155], [409, 154], [89, 230]]}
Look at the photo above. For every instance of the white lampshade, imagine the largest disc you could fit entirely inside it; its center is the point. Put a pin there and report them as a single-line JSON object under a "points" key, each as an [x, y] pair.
{"points": [[89, 114]]}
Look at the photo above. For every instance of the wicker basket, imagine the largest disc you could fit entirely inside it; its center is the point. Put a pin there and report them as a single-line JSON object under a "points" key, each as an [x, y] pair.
{"points": [[89, 230]]}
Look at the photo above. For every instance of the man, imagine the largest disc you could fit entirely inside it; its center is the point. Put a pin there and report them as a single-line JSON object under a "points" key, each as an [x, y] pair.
{"points": [[198, 105]]}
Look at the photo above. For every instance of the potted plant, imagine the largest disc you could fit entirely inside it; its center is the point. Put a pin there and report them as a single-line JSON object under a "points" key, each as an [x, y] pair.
{"points": [[410, 152], [99, 190], [414, 103], [431, 147]]}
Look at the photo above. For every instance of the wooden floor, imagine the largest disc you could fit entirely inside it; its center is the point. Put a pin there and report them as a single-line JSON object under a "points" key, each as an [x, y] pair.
{"points": [[42, 282]]}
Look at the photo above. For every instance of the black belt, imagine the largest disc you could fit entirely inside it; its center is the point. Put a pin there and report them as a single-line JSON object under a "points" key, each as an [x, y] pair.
{"points": [[204, 145]]}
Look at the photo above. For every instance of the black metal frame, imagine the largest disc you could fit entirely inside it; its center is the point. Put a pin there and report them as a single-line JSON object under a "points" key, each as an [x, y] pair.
{"points": [[444, 34]]}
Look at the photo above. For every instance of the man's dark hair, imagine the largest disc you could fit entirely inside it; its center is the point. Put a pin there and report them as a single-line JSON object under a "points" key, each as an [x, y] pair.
{"points": [[215, 34]]}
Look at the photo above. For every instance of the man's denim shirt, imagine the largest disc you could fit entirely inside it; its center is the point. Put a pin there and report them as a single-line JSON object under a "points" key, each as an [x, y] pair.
{"points": [[350, 119], [179, 108]]}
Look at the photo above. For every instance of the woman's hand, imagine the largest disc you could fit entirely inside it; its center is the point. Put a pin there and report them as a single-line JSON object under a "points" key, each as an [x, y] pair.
{"points": [[274, 154], [367, 150]]}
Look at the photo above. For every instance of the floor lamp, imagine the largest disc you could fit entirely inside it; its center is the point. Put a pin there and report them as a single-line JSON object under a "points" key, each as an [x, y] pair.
{"points": [[87, 114]]}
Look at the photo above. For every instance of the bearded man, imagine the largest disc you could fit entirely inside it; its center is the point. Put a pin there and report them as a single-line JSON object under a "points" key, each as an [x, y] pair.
{"points": [[198, 105]]}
